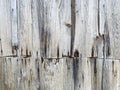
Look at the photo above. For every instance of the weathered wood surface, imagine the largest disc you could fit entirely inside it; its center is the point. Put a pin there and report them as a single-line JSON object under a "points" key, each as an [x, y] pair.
{"points": [[59, 45], [59, 74]]}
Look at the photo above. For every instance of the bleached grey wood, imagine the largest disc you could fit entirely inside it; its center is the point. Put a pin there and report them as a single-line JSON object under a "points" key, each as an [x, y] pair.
{"points": [[5, 28], [59, 45], [14, 25], [55, 34], [25, 27], [86, 26], [36, 27], [112, 26]]}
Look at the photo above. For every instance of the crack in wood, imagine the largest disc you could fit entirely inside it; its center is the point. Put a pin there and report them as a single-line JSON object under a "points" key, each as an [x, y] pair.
{"points": [[73, 25]]}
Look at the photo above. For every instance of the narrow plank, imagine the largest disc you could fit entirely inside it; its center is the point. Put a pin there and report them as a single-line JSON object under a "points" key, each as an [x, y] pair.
{"points": [[65, 25], [86, 27], [115, 75], [56, 31], [77, 74], [111, 27], [25, 27], [5, 28], [36, 18], [52, 74], [107, 75], [68, 75], [1, 74], [14, 25]]}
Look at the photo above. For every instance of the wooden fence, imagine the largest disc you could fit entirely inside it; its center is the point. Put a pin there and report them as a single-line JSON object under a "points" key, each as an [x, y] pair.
{"points": [[59, 44]]}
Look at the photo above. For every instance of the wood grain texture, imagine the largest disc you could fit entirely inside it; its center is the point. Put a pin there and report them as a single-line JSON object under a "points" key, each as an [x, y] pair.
{"points": [[59, 45], [55, 27], [5, 28], [86, 26], [111, 27], [25, 27]]}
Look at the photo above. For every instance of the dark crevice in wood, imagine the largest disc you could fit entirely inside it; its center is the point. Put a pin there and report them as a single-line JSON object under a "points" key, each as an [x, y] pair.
{"points": [[14, 49], [42, 60], [75, 71], [95, 46], [76, 53], [67, 63], [37, 53], [107, 40], [95, 68], [41, 27], [103, 63], [21, 51], [99, 18], [47, 42], [68, 25], [58, 52], [92, 54], [57, 61], [27, 52], [1, 47], [22, 61], [113, 67], [25, 62], [1, 52], [45, 48], [82, 77], [38, 71], [73, 25]]}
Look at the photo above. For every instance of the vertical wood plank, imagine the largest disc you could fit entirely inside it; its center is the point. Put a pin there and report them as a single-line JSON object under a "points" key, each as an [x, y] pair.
{"points": [[68, 75], [86, 26], [112, 33], [52, 74], [36, 18], [5, 28], [25, 27], [14, 25], [57, 28]]}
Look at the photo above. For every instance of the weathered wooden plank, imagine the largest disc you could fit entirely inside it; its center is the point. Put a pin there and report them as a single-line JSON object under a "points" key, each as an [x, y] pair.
{"points": [[14, 25], [61, 74], [5, 28], [68, 76], [56, 30], [105, 74], [1, 74], [109, 25], [86, 26], [25, 27], [52, 73], [78, 74], [36, 18]]}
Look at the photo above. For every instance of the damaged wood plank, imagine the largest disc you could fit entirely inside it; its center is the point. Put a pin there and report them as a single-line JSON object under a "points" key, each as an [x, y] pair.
{"points": [[110, 25], [5, 28], [25, 27], [36, 19], [55, 34], [86, 26], [14, 25]]}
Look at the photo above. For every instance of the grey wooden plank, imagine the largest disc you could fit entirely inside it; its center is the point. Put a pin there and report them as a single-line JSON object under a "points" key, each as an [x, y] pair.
{"points": [[55, 34], [86, 26], [5, 28], [14, 25], [25, 27], [111, 28]]}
